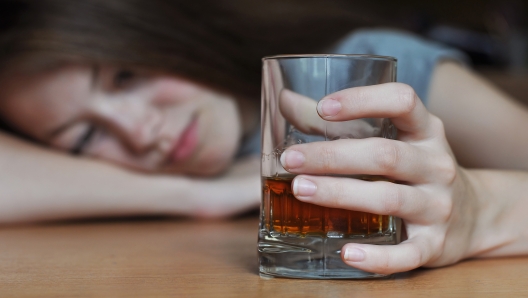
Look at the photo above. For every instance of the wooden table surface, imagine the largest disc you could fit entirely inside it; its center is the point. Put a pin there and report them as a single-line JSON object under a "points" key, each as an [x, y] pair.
{"points": [[184, 258]]}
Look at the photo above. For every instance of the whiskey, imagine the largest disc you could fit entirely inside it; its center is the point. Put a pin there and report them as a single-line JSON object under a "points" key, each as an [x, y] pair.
{"points": [[298, 239], [291, 216], [303, 240]]}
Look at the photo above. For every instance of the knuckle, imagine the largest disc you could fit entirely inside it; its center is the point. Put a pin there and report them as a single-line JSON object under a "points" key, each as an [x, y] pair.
{"points": [[437, 125], [387, 156], [439, 245], [327, 158], [338, 195], [415, 256], [443, 208], [407, 98], [361, 98], [392, 201], [446, 168]]}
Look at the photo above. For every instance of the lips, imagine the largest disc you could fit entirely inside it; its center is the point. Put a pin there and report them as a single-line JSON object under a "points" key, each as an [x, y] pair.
{"points": [[186, 144]]}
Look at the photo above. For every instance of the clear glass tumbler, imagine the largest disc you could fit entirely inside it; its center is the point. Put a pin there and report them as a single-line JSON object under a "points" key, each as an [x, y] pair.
{"points": [[302, 240]]}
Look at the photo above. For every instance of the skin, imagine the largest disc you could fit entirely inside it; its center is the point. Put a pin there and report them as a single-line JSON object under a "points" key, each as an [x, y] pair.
{"points": [[66, 187], [134, 114], [141, 120], [450, 212], [463, 196]]}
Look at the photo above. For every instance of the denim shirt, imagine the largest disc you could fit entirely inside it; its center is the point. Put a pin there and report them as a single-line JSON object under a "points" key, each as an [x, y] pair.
{"points": [[416, 57]]}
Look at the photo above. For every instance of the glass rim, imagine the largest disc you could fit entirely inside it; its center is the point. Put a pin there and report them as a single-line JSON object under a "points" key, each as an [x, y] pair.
{"points": [[365, 56]]}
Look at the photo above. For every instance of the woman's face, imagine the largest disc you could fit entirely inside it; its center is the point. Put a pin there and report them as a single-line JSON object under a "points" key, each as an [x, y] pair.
{"points": [[144, 121]]}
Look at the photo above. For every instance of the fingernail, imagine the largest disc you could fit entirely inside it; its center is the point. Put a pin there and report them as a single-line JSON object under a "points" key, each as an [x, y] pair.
{"points": [[328, 107], [302, 187], [292, 159], [354, 255]]}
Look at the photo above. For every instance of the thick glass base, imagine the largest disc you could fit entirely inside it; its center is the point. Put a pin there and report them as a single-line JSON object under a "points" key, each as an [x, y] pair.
{"points": [[312, 256]]}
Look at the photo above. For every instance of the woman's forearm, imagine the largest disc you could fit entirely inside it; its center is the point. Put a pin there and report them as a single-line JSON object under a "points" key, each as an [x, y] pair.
{"points": [[39, 184], [500, 228], [482, 123]]}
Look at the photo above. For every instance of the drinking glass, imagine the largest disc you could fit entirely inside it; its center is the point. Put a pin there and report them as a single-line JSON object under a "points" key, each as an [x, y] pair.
{"points": [[298, 239]]}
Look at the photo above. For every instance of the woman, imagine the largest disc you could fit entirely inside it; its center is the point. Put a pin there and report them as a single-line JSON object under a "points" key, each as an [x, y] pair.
{"points": [[156, 109], [189, 58]]}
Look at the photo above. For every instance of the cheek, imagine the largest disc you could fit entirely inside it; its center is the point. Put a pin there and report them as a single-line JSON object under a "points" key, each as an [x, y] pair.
{"points": [[170, 90], [225, 133]]}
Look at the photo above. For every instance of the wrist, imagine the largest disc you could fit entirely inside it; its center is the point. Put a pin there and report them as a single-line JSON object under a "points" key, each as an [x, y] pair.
{"points": [[480, 213], [498, 213], [165, 195]]}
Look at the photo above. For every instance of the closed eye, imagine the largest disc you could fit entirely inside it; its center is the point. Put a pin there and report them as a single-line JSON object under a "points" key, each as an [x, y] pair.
{"points": [[123, 77], [83, 141]]}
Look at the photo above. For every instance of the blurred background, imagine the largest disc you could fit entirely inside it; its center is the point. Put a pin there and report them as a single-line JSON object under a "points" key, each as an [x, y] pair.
{"points": [[494, 33]]}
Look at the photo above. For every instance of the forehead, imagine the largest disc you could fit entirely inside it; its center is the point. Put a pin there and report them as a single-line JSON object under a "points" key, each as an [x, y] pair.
{"points": [[35, 104]]}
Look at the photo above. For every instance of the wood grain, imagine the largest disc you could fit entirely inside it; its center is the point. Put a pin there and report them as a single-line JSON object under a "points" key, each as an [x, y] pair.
{"points": [[182, 258]]}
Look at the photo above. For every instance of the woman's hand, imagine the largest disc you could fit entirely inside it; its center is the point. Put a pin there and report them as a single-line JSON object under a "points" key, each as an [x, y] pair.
{"points": [[235, 192], [433, 195]]}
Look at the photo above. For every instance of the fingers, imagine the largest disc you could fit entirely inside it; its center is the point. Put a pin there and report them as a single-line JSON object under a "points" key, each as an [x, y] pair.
{"points": [[387, 259], [396, 101], [373, 156], [301, 112], [378, 197]]}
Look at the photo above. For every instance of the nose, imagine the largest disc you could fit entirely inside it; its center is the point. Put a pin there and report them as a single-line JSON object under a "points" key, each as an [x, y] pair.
{"points": [[134, 122]]}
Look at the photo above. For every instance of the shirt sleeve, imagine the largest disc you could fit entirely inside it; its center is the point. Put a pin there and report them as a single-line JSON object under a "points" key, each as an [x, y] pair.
{"points": [[416, 57]]}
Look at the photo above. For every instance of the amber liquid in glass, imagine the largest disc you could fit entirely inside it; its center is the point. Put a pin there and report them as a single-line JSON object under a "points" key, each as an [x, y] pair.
{"points": [[289, 215]]}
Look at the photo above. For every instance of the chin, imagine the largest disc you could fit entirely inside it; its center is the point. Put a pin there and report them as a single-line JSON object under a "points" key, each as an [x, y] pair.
{"points": [[207, 165]]}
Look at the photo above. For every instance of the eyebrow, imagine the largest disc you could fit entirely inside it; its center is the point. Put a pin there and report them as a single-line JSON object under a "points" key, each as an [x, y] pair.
{"points": [[93, 83]]}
